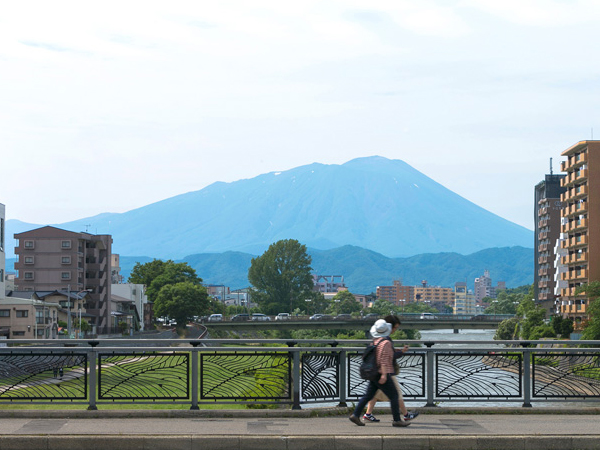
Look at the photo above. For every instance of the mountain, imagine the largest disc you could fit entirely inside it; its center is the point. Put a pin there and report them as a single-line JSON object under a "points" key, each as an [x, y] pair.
{"points": [[375, 203], [364, 270]]}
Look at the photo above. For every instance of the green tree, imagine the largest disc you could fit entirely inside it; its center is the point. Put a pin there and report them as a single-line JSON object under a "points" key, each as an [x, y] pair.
{"points": [[345, 303], [592, 328], [181, 301], [561, 326], [157, 274], [281, 277], [508, 330], [383, 307]]}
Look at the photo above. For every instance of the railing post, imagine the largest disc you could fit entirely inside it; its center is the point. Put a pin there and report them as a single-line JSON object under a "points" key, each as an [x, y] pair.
{"points": [[195, 370], [343, 365], [92, 365], [295, 377], [430, 376], [526, 378]]}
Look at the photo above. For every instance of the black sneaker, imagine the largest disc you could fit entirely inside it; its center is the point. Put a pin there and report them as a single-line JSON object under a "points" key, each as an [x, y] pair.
{"points": [[411, 415], [401, 423], [371, 418], [357, 421]]}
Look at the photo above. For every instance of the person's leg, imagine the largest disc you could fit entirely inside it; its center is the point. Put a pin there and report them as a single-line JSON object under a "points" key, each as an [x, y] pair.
{"points": [[390, 390], [369, 394], [371, 406], [401, 404]]}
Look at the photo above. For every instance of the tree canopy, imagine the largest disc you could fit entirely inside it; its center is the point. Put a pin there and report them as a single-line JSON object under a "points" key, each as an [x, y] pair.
{"points": [[591, 329], [156, 274], [181, 301], [281, 277]]}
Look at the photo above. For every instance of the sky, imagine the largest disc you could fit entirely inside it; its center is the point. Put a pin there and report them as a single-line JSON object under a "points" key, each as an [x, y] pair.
{"points": [[110, 106]]}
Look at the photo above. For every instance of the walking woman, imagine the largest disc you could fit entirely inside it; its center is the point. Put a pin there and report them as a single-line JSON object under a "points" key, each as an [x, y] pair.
{"points": [[381, 331]]}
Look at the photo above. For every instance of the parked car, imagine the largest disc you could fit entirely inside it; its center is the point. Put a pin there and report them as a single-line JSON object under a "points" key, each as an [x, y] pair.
{"points": [[427, 316], [478, 317], [240, 317], [371, 316], [320, 317], [343, 317], [283, 316], [215, 318], [260, 317]]}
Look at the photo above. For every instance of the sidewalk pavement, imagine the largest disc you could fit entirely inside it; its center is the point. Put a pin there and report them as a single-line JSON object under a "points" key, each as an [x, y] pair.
{"points": [[297, 430]]}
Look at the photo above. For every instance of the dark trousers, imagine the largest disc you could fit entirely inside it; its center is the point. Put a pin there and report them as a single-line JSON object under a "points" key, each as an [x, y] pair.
{"points": [[389, 389]]}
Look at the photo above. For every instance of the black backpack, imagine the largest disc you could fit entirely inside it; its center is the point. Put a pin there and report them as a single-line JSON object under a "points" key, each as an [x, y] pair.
{"points": [[368, 367]]}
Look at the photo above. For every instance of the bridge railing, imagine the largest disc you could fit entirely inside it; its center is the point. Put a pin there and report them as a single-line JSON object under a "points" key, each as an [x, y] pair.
{"points": [[295, 373]]}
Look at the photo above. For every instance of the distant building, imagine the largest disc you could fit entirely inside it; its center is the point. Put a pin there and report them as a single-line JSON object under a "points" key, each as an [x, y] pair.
{"points": [[328, 283], [135, 294], [548, 206], [22, 318], [464, 301], [2, 250], [50, 258], [435, 296], [398, 294], [483, 287], [217, 291], [115, 269], [581, 214]]}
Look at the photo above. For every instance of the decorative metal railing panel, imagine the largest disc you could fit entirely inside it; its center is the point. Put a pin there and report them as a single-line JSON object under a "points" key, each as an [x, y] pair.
{"points": [[245, 376], [565, 375], [144, 375], [293, 375], [49, 376], [320, 376], [478, 374], [411, 377]]}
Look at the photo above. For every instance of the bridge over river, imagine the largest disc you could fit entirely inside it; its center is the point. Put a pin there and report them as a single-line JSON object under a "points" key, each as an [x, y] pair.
{"points": [[446, 322]]}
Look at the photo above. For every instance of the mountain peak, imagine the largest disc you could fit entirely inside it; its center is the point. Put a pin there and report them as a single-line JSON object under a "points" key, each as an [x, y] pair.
{"points": [[371, 202]]}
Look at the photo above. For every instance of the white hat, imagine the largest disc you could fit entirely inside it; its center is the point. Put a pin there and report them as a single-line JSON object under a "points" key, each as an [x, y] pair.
{"points": [[381, 329]]}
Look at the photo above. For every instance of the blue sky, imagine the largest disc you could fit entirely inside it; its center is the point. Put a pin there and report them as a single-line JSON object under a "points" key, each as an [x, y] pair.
{"points": [[106, 107]]}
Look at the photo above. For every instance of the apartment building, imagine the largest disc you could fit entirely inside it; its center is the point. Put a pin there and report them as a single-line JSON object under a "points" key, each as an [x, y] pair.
{"points": [[548, 207], [398, 294], [2, 250], [464, 301], [435, 296], [50, 258], [328, 283], [581, 214]]}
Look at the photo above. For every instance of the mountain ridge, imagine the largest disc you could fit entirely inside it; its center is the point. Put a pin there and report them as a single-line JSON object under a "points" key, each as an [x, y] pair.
{"points": [[371, 202]]}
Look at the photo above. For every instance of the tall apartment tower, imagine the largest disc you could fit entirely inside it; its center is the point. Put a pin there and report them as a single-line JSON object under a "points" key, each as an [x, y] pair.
{"points": [[483, 287], [548, 206], [2, 251], [581, 224], [50, 258]]}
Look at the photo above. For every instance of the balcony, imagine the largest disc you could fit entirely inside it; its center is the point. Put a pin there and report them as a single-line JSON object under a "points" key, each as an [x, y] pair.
{"points": [[543, 235], [543, 223], [581, 175], [543, 272], [542, 259], [543, 248]]}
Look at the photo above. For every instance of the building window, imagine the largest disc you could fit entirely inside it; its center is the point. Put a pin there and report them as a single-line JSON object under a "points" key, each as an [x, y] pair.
{"points": [[28, 260], [29, 244], [4, 312], [66, 260], [22, 313], [65, 244], [66, 275], [18, 333], [29, 275]]}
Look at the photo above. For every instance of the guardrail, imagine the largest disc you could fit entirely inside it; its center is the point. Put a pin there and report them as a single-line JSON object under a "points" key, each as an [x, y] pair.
{"points": [[221, 371]]}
